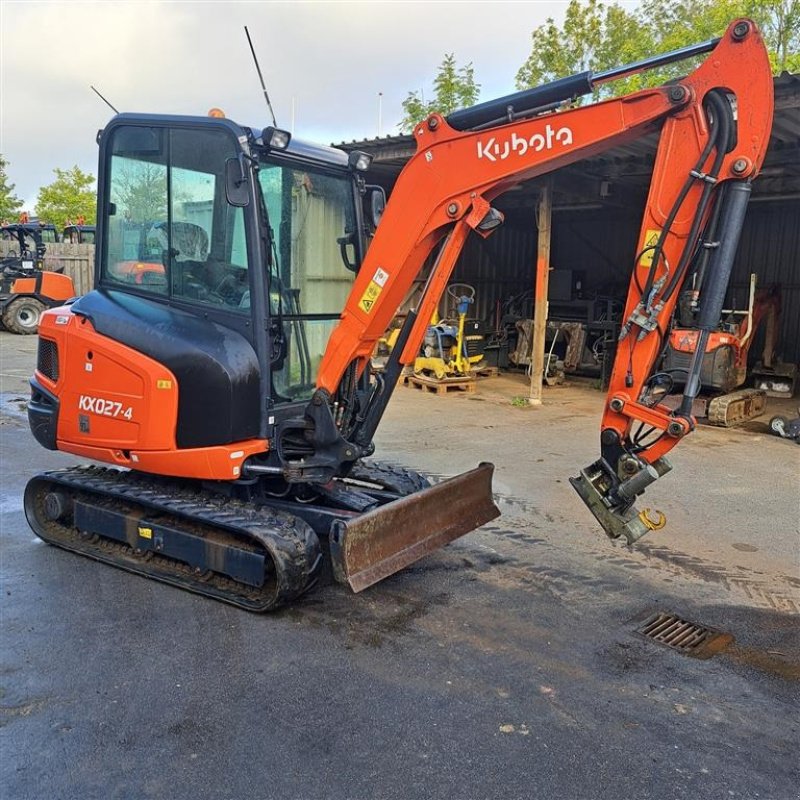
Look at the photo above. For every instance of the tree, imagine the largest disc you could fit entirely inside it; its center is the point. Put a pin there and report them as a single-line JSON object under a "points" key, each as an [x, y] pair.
{"points": [[453, 88], [10, 204], [139, 189], [595, 36], [592, 37], [70, 196]]}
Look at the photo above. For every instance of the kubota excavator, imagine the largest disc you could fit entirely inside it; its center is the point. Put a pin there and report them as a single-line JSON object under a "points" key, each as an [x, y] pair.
{"points": [[230, 389], [724, 367]]}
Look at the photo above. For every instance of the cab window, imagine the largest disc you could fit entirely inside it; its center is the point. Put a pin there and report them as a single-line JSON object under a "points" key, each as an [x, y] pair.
{"points": [[171, 232]]}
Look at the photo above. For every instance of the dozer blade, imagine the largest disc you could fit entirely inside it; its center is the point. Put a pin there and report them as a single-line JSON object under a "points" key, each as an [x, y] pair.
{"points": [[379, 543]]}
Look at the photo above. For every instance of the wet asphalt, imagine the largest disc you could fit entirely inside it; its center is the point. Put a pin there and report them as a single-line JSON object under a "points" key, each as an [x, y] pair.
{"points": [[505, 666]]}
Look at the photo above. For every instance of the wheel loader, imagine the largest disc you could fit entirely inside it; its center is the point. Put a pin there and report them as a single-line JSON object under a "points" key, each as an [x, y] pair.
{"points": [[229, 392]]}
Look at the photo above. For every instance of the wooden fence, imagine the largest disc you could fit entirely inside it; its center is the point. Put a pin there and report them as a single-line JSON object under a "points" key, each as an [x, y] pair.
{"points": [[77, 260]]}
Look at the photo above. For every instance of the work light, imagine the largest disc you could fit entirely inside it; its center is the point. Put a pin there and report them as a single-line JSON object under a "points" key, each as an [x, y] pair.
{"points": [[275, 138], [360, 161]]}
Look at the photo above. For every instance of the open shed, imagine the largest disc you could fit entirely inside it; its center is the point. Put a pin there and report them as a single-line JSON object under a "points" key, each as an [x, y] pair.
{"points": [[597, 208]]}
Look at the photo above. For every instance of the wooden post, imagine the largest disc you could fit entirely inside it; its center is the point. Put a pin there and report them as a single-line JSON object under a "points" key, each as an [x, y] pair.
{"points": [[540, 300]]}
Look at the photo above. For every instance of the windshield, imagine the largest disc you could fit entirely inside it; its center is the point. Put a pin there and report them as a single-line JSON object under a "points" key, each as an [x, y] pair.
{"points": [[313, 220], [169, 229]]}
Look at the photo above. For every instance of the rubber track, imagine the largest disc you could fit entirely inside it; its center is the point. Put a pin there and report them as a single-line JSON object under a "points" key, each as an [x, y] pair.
{"points": [[730, 409], [288, 541], [389, 476]]}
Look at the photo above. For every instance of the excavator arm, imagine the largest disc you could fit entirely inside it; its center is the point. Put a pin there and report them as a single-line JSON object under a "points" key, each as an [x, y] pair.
{"points": [[714, 128]]}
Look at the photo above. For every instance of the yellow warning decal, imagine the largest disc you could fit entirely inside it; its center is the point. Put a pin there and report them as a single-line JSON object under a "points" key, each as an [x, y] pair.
{"points": [[369, 297], [651, 238], [163, 384], [146, 533], [373, 290]]}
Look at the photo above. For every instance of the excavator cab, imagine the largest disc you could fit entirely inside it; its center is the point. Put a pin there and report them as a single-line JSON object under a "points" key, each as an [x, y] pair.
{"points": [[201, 218]]}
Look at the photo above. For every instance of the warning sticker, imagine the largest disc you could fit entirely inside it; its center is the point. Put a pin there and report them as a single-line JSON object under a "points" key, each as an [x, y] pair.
{"points": [[373, 290], [651, 238], [145, 533], [369, 297]]}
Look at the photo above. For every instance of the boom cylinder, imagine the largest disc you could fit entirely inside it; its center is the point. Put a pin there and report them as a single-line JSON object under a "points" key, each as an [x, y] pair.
{"points": [[582, 83], [391, 374]]}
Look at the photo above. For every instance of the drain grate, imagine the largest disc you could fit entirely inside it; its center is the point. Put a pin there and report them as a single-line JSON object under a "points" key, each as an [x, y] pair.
{"points": [[685, 637]]}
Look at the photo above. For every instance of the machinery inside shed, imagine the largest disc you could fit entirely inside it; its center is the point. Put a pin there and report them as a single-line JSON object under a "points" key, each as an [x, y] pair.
{"points": [[595, 207]]}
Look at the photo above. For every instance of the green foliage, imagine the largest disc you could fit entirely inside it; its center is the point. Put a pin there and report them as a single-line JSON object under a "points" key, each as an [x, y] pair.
{"points": [[520, 402], [597, 36], [10, 204], [453, 88], [70, 196], [139, 190]]}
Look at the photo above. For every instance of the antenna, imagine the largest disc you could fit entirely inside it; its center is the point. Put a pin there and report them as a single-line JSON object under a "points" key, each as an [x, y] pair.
{"points": [[103, 99], [260, 77]]}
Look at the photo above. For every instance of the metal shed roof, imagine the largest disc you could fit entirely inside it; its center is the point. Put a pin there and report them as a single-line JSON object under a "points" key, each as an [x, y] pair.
{"points": [[627, 168]]}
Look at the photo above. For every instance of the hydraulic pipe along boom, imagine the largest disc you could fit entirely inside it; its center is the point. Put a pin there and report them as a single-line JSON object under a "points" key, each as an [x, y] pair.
{"points": [[518, 104]]}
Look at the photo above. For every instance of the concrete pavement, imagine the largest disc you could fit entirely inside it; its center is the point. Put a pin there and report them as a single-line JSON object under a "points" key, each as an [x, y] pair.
{"points": [[505, 666]]}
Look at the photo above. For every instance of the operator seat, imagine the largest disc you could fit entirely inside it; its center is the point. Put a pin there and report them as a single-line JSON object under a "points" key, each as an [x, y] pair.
{"points": [[189, 241]]}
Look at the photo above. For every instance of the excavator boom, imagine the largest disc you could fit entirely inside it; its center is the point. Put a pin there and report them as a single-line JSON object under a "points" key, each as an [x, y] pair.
{"points": [[714, 130]]}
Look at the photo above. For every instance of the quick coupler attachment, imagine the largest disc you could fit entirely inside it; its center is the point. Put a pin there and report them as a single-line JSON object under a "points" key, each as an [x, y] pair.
{"points": [[612, 500]]}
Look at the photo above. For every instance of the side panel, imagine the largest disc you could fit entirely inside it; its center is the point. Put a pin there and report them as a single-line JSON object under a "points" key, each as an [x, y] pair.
{"points": [[216, 367], [57, 286], [51, 285], [110, 396], [116, 405]]}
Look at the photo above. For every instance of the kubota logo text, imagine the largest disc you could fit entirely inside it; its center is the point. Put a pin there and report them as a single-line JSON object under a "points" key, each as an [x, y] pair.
{"points": [[494, 150]]}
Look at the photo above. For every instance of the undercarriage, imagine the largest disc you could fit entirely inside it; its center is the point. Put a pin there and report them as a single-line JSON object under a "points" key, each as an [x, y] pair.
{"points": [[252, 548]]}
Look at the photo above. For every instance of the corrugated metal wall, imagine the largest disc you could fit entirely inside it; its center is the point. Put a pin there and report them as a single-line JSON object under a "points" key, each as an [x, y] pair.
{"points": [[498, 268], [770, 247], [601, 243]]}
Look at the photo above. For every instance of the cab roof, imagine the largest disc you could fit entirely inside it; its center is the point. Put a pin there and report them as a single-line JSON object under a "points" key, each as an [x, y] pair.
{"points": [[299, 149]]}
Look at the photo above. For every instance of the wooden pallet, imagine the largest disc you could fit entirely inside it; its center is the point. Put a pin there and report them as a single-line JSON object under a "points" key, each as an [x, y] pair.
{"points": [[442, 386], [486, 372]]}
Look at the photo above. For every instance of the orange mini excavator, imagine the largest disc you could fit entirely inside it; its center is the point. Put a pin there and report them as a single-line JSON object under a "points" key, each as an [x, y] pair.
{"points": [[230, 390], [724, 367]]}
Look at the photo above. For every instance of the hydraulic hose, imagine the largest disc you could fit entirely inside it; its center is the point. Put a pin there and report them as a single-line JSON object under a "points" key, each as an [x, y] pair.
{"points": [[676, 206], [724, 126]]}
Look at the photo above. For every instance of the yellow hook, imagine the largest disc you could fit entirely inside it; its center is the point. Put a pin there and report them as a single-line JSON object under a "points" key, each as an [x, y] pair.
{"points": [[653, 524]]}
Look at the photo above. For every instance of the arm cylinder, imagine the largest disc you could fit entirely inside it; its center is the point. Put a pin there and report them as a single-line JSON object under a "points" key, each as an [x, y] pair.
{"points": [[716, 282], [562, 89], [520, 102]]}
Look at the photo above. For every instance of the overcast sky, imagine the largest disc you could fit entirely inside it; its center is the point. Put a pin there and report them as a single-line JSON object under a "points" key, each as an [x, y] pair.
{"points": [[328, 60]]}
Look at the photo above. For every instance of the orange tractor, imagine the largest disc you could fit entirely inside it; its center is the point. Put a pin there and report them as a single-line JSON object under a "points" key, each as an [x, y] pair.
{"points": [[26, 288], [230, 393]]}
